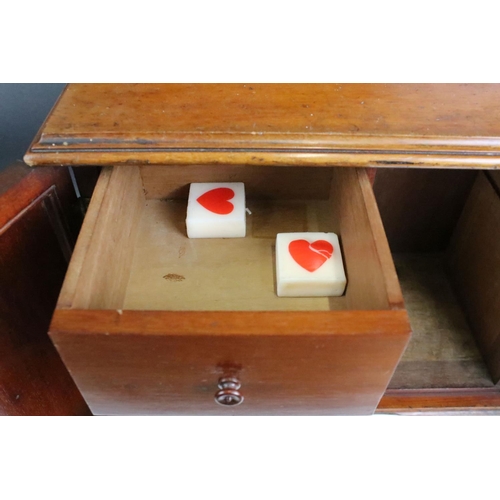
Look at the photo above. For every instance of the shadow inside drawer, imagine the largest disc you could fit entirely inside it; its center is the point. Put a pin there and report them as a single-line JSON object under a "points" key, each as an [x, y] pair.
{"points": [[442, 351]]}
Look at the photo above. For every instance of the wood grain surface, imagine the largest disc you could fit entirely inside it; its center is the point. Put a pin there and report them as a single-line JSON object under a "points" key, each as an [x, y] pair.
{"points": [[106, 265], [128, 244], [262, 183], [440, 401], [375, 125], [442, 352], [367, 257], [153, 362], [170, 271], [36, 236], [474, 262], [420, 208]]}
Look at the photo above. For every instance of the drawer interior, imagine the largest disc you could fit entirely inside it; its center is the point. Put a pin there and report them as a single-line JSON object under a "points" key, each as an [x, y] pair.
{"points": [[133, 252], [443, 228]]}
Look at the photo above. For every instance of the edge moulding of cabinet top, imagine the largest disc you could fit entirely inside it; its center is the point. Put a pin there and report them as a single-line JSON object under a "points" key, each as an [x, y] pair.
{"points": [[359, 125]]}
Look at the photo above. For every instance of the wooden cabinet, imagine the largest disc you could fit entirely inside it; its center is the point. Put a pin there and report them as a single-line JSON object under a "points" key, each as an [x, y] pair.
{"points": [[150, 322]]}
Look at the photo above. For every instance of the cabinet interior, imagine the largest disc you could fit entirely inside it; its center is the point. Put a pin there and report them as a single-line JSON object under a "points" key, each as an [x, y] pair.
{"points": [[133, 252], [443, 228]]}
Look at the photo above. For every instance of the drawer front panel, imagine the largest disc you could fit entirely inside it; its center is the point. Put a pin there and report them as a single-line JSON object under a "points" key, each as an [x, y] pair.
{"points": [[155, 374]]}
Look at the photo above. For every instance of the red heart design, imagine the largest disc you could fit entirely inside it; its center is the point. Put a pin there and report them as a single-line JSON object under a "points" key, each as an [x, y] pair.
{"points": [[310, 256], [216, 200]]}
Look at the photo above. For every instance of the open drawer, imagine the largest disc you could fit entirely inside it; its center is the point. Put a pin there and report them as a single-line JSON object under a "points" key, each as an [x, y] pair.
{"points": [[149, 321], [444, 230]]}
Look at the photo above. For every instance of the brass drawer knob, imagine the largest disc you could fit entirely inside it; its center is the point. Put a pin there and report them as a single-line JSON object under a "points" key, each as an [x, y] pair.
{"points": [[229, 395]]}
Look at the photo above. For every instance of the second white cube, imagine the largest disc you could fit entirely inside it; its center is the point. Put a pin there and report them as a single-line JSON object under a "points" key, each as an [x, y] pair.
{"points": [[216, 210], [309, 265]]}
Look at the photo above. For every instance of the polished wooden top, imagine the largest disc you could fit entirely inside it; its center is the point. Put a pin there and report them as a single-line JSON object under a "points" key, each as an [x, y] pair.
{"points": [[375, 125]]}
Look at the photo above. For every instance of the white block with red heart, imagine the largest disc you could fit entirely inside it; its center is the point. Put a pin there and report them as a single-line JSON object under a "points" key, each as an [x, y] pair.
{"points": [[309, 265], [216, 210]]}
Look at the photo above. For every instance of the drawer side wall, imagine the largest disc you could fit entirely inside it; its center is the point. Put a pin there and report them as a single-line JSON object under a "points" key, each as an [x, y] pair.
{"points": [[105, 266]]}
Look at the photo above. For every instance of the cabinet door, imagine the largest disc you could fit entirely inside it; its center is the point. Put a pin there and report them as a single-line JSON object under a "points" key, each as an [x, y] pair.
{"points": [[37, 232]]}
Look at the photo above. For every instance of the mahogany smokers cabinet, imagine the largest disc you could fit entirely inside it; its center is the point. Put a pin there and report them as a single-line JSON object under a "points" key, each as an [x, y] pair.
{"points": [[150, 322]]}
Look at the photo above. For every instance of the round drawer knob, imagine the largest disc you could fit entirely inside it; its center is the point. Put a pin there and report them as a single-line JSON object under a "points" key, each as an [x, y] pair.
{"points": [[229, 395]]}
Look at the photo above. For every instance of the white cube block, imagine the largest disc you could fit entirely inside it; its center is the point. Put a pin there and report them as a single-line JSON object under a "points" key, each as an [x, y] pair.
{"points": [[309, 265], [216, 210]]}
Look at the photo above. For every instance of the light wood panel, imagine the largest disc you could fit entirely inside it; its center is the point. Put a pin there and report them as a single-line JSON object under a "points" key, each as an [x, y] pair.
{"points": [[372, 279], [78, 257], [113, 222], [173, 272], [263, 183], [129, 259]]}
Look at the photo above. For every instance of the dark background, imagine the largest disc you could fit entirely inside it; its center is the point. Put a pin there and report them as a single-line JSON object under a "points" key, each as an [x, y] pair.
{"points": [[23, 108]]}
